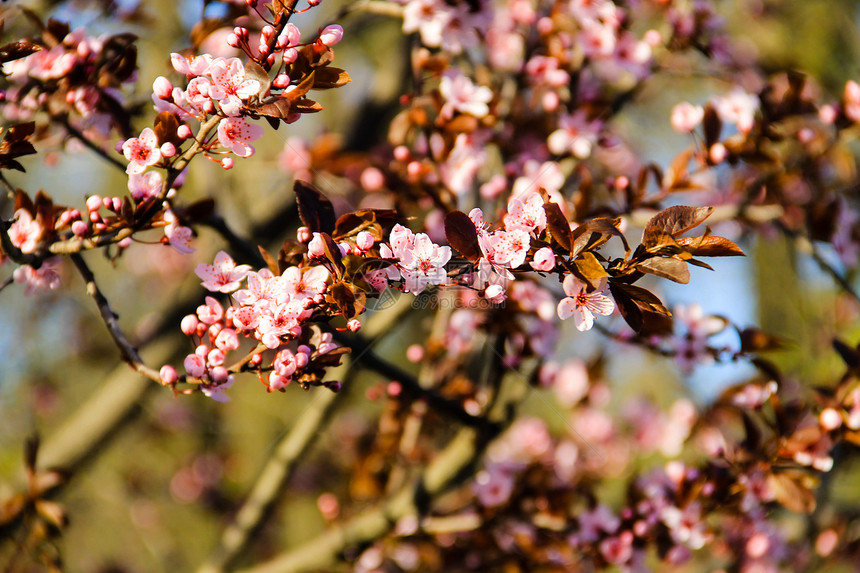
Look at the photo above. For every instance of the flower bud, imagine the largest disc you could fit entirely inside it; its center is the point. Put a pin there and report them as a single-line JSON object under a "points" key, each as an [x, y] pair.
{"points": [[316, 247], [303, 234], [168, 149], [227, 163], [353, 325], [162, 88], [331, 35], [94, 203], [168, 375], [183, 131], [364, 241]]}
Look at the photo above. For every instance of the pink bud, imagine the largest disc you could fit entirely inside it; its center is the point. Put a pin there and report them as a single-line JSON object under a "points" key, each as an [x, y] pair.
{"points": [[168, 375], [94, 203], [202, 350], [415, 353], [314, 2], [277, 381], [227, 340], [331, 35], [353, 325], [183, 131], [195, 365], [402, 153], [256, 360], [303, 234], [830, 419], [227, 163], [116, 204], [162, 88], [189, 325], [344, 248], [251, 3], [267, 31], [281, 81], [544, 260], [316, 248], [233, 41], [372, 179], [168, 149], [219, 374], [495, 294], [364, 241], [80, 228], [290, 55], [124, 243], [718, 152]]}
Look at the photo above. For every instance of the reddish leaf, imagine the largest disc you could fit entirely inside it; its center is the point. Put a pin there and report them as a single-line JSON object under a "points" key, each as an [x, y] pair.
{"points": [[305, 105], [712, 125], [641, 309], [277, 108], [18, 50], [755, 340], [667, 268], [462, 235], [593, 234], [302, 88], [291, 255], [558, 227], [254, 71], [849, 354], [315, 210], [793, 490], [165, 126], [588, 269]]}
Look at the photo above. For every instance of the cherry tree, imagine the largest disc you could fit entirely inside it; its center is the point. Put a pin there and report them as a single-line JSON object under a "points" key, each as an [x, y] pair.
{"points": [[400, 303]]}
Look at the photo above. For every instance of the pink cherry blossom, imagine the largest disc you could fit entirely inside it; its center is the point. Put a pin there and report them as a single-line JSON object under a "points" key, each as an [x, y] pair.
{"points": [[462, 95], [527, 213], [230, 85], [177, 235], [511, 247], [686, 117], [194, 66], [145, 185], [424, 264], [576, 135], [141, 151], [25, 232], [738, 107], [224, 276], [34, 280], [305, 284], [583, 305], [236, 134]]}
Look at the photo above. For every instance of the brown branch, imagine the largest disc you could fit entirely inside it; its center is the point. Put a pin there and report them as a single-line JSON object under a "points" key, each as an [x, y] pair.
{"points": [[129, 352], [88, 143]]}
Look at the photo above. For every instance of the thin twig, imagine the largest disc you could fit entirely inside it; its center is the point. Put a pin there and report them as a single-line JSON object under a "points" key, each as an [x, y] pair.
{"points": [[88, 143], [129, 352]]}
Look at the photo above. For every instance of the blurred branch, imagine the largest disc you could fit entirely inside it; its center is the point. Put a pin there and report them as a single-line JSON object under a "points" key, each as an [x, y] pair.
{"points": [[268, 487], [88, 143], [806, 245], [448, 469]]}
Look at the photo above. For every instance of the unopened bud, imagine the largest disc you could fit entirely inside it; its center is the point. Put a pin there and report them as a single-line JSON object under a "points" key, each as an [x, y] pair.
{"points": [[162, 88]]}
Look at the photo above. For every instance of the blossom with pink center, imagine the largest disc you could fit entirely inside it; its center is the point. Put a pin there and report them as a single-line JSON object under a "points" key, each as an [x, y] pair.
{"points": [[575, 135], [427, 17], [178, 235], [45, 277], [263, 288], [141, 152], [511, 247], [738, 107], [236, 134], [536, 175], [142, 186], [25, 232], [193, 66], [424, 264], [583, 305], [230, 85], [282, 320], [527, 213], [686, 117], [211, 312], [223, 276], [462, 95], [304, 284]]}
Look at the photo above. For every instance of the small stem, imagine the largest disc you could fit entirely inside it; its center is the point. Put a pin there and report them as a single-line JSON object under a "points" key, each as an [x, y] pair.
{"points": [[77, 134], [129, 352]]}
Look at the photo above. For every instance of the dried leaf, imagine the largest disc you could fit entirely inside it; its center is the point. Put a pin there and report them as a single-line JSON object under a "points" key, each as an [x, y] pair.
{"points": [[305, 105], [710, 246], [711, 125], [592, 234], [673, 221], [18, 50], [330, 77], [255, 71], [315, 210], [667, 268], [462, 235], [791, 491], [271, 263], [165, 126], [302, 88]]}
